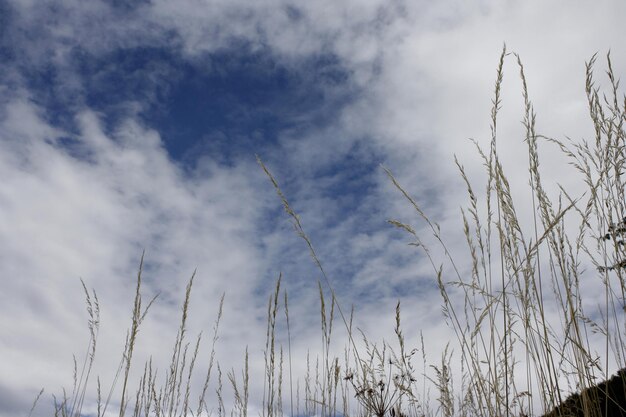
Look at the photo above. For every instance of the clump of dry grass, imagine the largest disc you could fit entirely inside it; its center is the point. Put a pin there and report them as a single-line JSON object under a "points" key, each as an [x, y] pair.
{"points": [[382, 378], [172, 398], [516, 305], [502, 308]]}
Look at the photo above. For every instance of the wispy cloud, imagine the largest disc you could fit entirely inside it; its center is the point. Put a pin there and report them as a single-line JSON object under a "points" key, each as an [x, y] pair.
{"points": [[127, 126]]}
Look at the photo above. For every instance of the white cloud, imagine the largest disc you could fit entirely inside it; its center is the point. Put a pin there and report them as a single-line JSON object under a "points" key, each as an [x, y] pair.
{"points": [[90, 217], [87, 208]]}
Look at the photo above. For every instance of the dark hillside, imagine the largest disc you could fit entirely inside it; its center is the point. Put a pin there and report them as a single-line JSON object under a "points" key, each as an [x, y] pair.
{"points": [[607, 399]]}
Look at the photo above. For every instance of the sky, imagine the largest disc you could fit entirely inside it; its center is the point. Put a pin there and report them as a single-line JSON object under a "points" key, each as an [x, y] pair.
{"points": [[132, 126]]}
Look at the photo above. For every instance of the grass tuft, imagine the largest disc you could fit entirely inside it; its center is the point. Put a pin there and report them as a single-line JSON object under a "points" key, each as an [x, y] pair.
{"points": [[527, 336]]}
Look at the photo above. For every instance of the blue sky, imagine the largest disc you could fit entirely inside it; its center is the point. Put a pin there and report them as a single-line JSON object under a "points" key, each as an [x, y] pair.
{"points": [[133, 125]]}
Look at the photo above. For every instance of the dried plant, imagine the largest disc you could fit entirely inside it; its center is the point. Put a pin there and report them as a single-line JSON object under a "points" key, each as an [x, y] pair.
{"points": [[499, 308], [526, 337]]}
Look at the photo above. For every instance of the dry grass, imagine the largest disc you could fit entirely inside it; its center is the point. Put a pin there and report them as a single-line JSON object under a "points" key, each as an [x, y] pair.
{"points": [[502, 299], [503, 308]]}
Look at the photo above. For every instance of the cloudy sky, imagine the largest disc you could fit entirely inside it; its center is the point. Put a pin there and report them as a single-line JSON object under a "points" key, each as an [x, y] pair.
{"points": [[132, 125]]}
